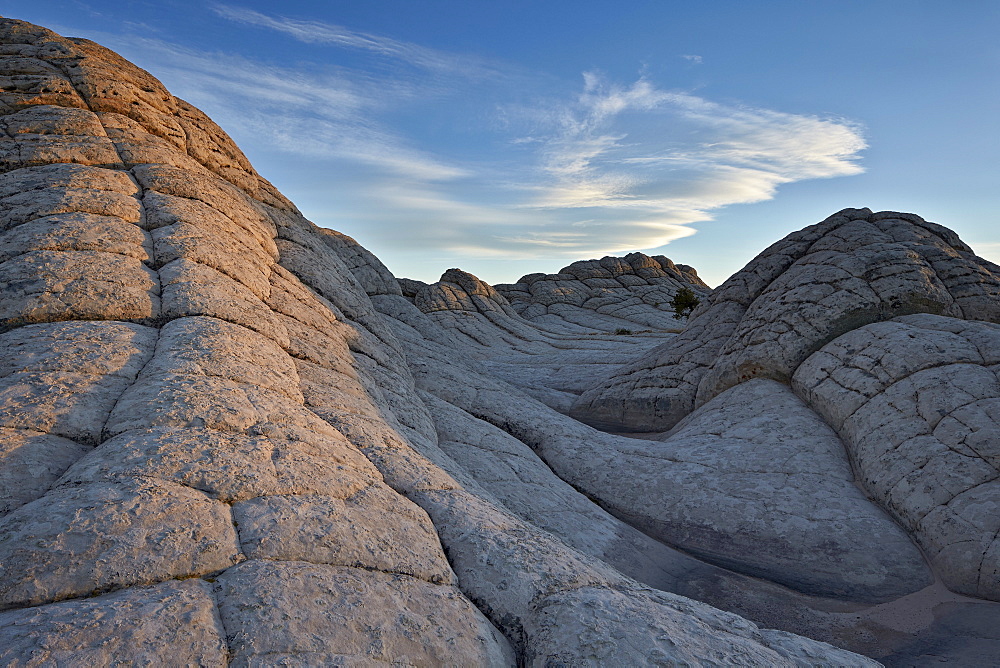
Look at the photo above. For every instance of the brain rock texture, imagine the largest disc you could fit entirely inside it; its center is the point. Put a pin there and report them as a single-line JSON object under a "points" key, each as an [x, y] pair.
{"points": [[230, 437]]}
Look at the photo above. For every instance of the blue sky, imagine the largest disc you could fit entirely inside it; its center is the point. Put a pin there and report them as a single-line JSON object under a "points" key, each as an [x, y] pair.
{"points": [[512, 137]]}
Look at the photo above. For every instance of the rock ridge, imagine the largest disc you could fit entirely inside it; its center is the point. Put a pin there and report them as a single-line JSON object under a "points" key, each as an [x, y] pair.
{"points": [[854, 268], [885, 325]]}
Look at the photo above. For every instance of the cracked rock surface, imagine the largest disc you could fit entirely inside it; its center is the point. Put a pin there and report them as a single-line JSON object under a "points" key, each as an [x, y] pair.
{"points": [[227, 437], [852, 269], [886, 326], [181, 497], [917, 402]]}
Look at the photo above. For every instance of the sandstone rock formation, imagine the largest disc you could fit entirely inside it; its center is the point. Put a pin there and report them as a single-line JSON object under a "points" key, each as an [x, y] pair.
{"points": [[916, 401], [229, 436], [854, 268], [631, 291], [912, 397], [553, 359], [228, 444]]}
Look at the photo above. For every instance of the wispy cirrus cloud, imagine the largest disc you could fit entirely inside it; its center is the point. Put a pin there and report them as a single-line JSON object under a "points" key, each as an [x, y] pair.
{"points": [[321, 32], [321, 112], [587, 170], [641, 163]]}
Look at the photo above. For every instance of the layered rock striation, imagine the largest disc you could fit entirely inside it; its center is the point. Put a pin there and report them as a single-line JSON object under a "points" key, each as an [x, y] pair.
{"points": [[553, 361]]}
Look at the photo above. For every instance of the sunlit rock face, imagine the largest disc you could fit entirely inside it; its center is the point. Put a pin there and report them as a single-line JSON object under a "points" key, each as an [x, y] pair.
{"points": [[229, 436], [169, 489]]}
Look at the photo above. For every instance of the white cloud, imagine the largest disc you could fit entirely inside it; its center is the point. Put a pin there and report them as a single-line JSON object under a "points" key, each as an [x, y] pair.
{"points": [[317, 112], [321, 32], [692, 58], [609, 168], [642, 161]]}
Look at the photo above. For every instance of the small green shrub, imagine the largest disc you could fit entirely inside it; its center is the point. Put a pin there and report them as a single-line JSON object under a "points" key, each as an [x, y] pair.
{"points": [[684, 302], [622, 330]]}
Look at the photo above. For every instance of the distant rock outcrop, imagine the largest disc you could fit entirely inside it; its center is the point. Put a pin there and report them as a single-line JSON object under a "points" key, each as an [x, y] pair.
{"points": [[230, 437], [629, 291], [553, 360]]}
